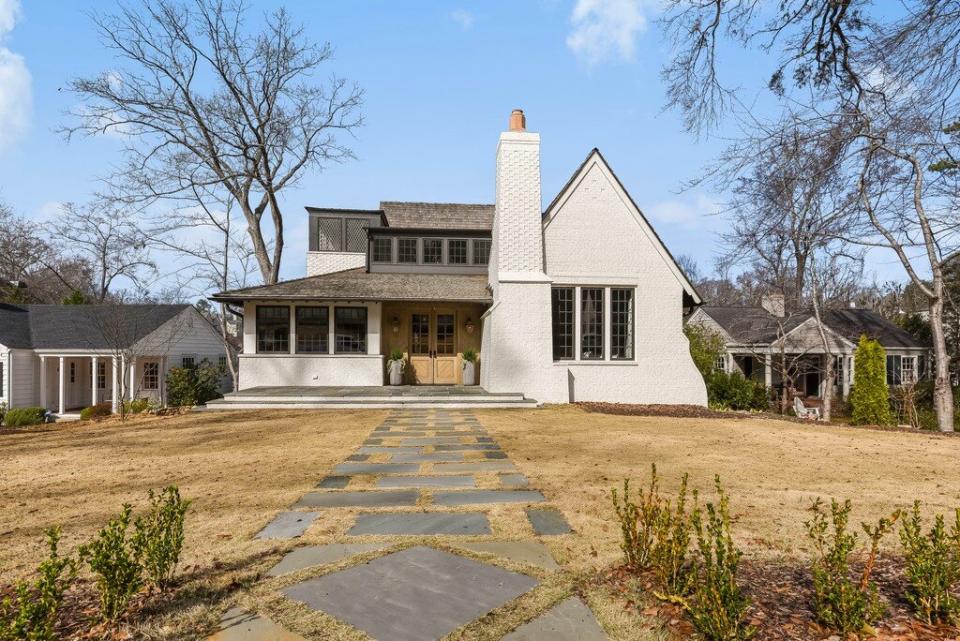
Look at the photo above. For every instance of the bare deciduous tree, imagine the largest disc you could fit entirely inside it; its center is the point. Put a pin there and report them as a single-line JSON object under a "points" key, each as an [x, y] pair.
{"points": [[202, 102]]}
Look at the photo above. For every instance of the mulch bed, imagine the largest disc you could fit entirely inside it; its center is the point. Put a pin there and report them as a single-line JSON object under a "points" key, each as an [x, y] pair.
{"points": [[781, 594]]}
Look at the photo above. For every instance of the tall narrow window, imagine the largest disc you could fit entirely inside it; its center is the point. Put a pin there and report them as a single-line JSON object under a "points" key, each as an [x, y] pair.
{"points": [[432, 251], [273, 329], [406, 250], [357, 235], [591, 324], [457, 251], [101, 375], [562, 313], [621, 324], [73, 372], [908, 370], [329, 234], [383, 249], [151, 376], [3, 365], [350, 330], [481, 251], [313, 330], [893, 370]]}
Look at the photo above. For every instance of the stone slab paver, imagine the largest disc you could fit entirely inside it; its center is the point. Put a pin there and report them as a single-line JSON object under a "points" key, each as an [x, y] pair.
{"points": [[548, 521], [334, 482], [494, 455], [470, 497], [432, 440], [420, 594], [376, 468], [470, 468], [310, 556], [435, 457], [570, 620], [393, 498], [426, 481], [358, 457], [387, 449], [408, 523], [514, 481], [288, 525], [532, 552], [239, 625], [453, 447]]}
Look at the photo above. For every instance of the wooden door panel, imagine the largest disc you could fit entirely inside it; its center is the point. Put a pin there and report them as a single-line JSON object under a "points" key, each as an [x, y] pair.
{"points": [[445, 370], [421, 370]]}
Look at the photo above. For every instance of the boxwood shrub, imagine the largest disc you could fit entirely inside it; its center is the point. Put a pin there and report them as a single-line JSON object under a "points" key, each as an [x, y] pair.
{"points": [[24, 416]]}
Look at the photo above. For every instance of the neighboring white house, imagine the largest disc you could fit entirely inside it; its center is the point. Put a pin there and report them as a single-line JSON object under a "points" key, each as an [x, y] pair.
{"points": [[581, 302], [768, 345], [67, 357]]}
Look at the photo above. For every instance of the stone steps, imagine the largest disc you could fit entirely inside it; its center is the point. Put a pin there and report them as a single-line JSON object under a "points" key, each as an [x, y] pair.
{"points": [[239, 401]]}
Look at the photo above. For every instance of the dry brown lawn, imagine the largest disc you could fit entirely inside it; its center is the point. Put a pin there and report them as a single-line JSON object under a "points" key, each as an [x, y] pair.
{"points": [[241, 468]]}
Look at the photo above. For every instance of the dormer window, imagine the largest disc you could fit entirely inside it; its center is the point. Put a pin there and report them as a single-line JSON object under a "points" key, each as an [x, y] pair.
{"points": [[382, 250], [407, 250], [457, 251], [481, 251], [432, 251]]}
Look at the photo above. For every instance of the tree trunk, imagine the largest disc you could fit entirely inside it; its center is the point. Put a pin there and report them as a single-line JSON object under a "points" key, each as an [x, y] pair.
{"points": [[942, 394]]}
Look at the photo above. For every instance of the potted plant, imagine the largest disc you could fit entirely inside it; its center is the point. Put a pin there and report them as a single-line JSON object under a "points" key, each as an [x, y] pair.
{"points": [[395, 367], [469, 367]]}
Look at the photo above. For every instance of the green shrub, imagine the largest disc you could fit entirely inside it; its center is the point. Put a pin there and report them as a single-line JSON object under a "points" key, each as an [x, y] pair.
{"points": [[670, 556], [734, 392], [469, 355], [31, 612], [115, 561], [96, 411], [717, 607], [870, 396], [842, 602], [189, 386], [138, 406], [638, 521], [933, 566], [706, 346], [24, 416], [3, 411], [158, 535], [396, 354]]}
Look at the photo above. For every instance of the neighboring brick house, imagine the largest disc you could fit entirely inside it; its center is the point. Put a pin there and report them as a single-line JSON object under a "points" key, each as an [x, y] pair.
{"points": [[67, 357], [580, 302]]}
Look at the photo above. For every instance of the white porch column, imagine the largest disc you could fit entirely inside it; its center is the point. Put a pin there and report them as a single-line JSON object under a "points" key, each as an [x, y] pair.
{"points": [[115, 383], [133, 377], [767, 371], [43, 382], [63, 385], [847, 375], [94, 369], [162, 382]]}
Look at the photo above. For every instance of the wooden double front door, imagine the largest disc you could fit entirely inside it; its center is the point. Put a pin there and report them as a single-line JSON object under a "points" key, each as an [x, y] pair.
{"points": [[433, 347]]}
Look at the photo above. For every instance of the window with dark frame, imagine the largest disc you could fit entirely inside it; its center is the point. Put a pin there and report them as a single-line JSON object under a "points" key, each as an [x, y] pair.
{"points": [[73, 372], [562, 302], [432, 251], [329, 234], [357, 234], [591, 323], [313, 330], [350, 330], [101, 375], [893, 370], [382, 249], [406, 250], [457, 251], [151, 376], [621, 324], [273, 329], [3, 366], [188, 362], [481, 251]]}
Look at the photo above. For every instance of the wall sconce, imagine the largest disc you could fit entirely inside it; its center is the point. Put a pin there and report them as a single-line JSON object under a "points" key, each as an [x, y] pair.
{"points": [[469, 326], [395, 324]]}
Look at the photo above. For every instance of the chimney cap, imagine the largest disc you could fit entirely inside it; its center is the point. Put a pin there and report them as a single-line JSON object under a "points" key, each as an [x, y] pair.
{"points": [[518, 121]]}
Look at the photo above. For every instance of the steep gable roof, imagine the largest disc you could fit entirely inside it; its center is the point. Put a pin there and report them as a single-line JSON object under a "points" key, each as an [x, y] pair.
{"points": [[595, 157]]}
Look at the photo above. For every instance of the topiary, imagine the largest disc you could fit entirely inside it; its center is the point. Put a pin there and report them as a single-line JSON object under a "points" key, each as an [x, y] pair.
{"points": [[870, 396]]}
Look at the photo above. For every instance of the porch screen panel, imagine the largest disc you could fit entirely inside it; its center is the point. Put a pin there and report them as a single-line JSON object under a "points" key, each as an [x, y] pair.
{"points": [[350, 330], [420, 336], [313, 330], [591, 324], [562, 301], [273, 329], [621, 324], [445, 334], [356, 235], [329, 234]]}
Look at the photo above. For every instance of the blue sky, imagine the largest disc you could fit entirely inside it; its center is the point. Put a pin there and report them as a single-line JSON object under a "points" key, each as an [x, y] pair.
{"points": [[440, 81]]}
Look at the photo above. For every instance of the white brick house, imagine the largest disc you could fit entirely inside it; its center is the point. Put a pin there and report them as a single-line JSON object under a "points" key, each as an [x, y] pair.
{"points": [[581, 301]]}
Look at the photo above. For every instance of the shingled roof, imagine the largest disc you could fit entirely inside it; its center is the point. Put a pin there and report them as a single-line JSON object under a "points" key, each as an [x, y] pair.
{"points": [[358, 284], [96, 327], [437, 215], [755, 325]]}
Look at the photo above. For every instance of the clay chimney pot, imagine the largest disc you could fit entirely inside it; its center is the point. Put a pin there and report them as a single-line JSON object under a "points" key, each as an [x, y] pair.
{"points": [[518, 122]]}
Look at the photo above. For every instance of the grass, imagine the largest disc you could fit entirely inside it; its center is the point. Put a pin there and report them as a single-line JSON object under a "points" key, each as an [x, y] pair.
{"points": [[243, 467]]}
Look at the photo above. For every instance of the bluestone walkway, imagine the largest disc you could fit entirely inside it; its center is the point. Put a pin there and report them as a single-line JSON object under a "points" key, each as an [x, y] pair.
{"points": [[425, 474]]}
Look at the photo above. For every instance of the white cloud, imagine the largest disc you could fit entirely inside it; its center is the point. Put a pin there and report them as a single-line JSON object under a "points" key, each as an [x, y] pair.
{"points": [[695, 214], [16, 99], [464, 18], [606, 29]]}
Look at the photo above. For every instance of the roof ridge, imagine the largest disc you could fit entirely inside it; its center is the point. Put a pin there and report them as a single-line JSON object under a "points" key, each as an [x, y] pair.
{"points": [[428, 202]]}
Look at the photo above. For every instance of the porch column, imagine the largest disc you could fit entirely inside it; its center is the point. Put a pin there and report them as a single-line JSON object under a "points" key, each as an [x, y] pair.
{"points": [[43, 382], [133, 377], [847, 375], [94, 369], [162, 382], [115, 383], [293, 329], [63, 385], [767, 371]]}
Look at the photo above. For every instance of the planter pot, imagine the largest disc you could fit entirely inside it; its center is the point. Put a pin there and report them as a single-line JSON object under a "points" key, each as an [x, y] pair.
{"points": [[395, 370], [469, 373]]}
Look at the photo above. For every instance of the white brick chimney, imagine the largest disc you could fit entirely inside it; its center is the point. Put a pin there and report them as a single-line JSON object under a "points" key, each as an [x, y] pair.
{"points": [[517, 348]]}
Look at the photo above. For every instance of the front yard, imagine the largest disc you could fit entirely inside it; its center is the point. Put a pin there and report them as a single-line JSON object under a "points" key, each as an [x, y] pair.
{"points": [[244, 467]]}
